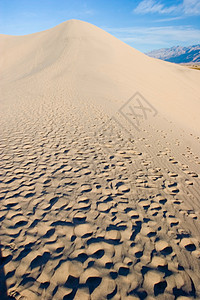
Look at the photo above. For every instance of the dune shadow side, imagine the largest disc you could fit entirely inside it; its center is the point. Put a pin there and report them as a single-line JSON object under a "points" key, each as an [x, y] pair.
{"points": [[3, 286]]}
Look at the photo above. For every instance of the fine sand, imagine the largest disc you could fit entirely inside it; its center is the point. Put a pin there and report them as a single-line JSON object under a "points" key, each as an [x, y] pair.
{"points": [[99, 199]]}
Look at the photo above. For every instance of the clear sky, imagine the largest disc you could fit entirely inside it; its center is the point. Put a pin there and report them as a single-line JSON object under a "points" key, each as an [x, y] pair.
{"points": [[143, 24]]}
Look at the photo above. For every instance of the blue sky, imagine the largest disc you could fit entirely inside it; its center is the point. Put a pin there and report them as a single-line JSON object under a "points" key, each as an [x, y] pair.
{"points": [[143, 24]]}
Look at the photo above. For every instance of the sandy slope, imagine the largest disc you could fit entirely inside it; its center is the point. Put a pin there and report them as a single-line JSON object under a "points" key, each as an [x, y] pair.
{"points": [[94, 203]]}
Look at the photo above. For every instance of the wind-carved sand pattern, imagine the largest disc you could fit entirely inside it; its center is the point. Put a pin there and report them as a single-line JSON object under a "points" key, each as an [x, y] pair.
{"points": [[78, 222], [89, 210]]}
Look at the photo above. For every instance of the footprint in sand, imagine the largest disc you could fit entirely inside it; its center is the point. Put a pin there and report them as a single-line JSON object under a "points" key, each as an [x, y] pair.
{"points": [[187, 244], [163, 247]]}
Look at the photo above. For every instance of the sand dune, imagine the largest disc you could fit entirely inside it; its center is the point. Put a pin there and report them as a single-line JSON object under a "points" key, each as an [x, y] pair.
{"points": [[99, 197], [85, 59]]}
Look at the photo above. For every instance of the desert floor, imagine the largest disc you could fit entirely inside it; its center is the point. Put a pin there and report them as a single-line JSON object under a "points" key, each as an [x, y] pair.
{"points": [[94, 209]]}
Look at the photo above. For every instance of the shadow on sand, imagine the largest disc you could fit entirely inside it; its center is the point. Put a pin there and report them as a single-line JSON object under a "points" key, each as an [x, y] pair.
{"points": [[3, 287]]}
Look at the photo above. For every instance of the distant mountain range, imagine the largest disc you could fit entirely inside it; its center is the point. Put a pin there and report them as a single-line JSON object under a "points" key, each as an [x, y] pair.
{"points": [[178, 54]]}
